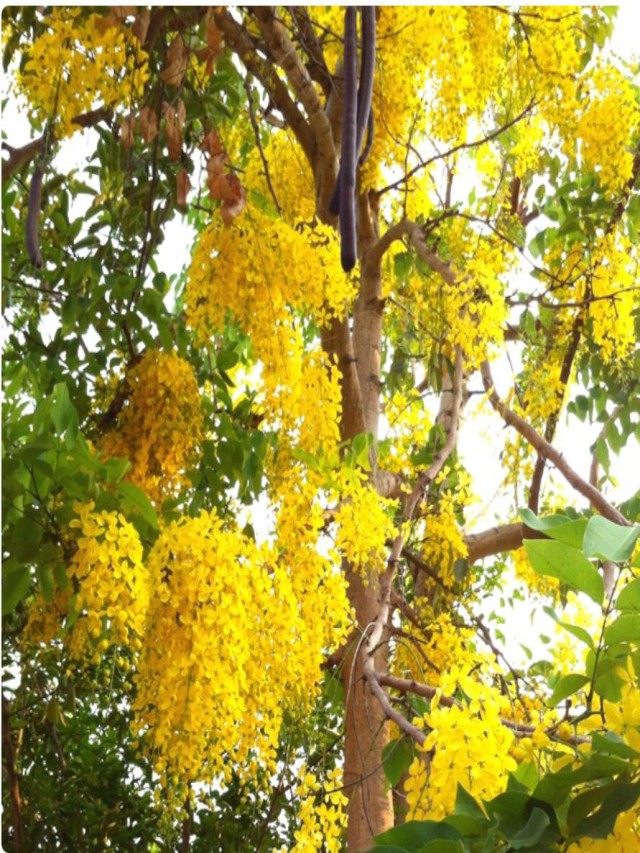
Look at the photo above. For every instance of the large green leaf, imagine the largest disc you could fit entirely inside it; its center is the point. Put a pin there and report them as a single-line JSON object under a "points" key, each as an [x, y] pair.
{"points": [[610, 541], [562, 528], [559, 560]]}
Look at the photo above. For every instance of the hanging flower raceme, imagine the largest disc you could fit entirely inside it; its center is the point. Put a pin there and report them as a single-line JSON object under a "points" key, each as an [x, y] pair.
{"points": [[80, 63], [228, 651], [106, 601], [160, 426]]}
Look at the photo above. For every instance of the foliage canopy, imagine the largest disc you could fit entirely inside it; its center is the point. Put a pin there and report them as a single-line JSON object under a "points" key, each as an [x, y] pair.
{"points": [[254, 593]]}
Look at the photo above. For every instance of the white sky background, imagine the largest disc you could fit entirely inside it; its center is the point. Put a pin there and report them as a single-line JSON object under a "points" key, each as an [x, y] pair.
{"points": [[482, 434]]}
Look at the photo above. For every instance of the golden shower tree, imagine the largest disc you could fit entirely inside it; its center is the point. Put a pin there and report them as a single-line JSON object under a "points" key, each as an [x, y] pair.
{"points": [[254, 596]]}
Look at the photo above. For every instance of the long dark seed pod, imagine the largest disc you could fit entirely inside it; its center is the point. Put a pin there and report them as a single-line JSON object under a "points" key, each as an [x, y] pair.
{"points": [[348, 250], [369, 142], [33, 215], [334, 201], [367, 68]]}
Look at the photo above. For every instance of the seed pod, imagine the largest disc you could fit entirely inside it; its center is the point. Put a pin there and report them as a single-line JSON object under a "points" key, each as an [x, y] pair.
{"points": [[348, 239], [33, 215], [334, 201], [367, 68], [369, 142]]}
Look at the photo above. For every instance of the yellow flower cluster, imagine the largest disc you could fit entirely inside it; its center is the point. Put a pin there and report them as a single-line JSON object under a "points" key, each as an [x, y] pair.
{"points": [[76, 65], [624, 717], [111, 580], [45, 618], [108, 593], [227, 653], [470, 746], [321, 814], [616, 298], [290, 176], [364, 524], [444, 541], [607, 126], [259, 268], [160, 426]]}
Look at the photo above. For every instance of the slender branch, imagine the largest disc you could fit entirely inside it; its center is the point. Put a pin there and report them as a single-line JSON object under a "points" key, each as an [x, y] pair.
{"points": [[284, 53], [407, 685], [552, 422], [543, 447], [256, 134], [308, 39], [462, 146]]}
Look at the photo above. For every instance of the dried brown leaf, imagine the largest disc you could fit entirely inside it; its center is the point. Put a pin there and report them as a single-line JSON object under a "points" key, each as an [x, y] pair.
{"points": [[235, 201], [127, 131], [181, 114], [148, 124], [215, 38], [212, 145], [174, 141], [176, 62], [140, 26], [183, 187]]}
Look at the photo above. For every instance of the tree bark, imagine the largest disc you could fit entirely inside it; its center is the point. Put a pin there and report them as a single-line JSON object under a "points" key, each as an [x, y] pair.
{"points": [[366, 728]]}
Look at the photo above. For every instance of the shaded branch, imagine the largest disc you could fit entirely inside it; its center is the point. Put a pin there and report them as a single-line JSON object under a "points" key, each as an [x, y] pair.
{"points": [[12, 778]]}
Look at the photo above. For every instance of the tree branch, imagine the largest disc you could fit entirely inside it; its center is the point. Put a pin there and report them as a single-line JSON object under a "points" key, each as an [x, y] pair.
{"points": [[240, 42], [18, 157], [545, 449]]}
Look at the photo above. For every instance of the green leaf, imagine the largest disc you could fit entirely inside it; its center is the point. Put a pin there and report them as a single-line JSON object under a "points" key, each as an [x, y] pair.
{"points": [[626, 629], [558, 527], [619, 797], [532, 832], [609, 541], [396, 758], [575, 630], [512, 812], [460, 569], [15, 586], [526, 774], [139, 500], [567, 686], [584, 803], [468, 818], [61, 407], [611, 744], [413, 834], [629, 598], [558, 560], [442, 845]]}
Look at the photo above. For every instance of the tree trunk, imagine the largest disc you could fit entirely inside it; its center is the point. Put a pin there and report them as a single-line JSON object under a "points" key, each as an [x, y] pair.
{"points": [[366, 730]]}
